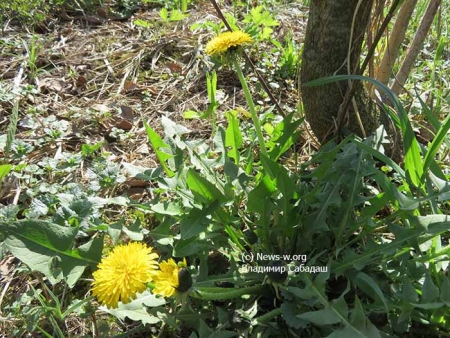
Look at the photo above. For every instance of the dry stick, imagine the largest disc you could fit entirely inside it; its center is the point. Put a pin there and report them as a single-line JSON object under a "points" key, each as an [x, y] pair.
{"points": [[353, 86], [395, 40], [416, 45], [247, 59]]}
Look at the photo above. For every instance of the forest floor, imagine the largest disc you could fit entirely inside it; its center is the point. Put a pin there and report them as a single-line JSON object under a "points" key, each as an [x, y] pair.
{"points": [[93, 78]]}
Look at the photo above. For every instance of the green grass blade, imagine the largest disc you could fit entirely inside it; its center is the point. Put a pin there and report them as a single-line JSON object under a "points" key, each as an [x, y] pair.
{"points": [[157, 143], [441, 135]]}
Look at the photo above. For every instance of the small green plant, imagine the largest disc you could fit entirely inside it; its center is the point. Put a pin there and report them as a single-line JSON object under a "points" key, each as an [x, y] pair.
{"points": [[259, 23], [175, 15], [211, 88], [32, 56], [26, 12], [290, 56]]}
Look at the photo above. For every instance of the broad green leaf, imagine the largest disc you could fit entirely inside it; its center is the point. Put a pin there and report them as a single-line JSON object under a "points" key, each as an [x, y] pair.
{"points": [[326, 316], [4, 170], [442, 185], [204, 191], [367, 331], [306, 293], [145, 174], [172, 129], [428, 306], [157, 143], [358, 317], [136, 310], [164, 14], [259, 197], [432, 224], [115, 229], [47, 247], [142, 23], [192, 114], [375, 153], [134, 231], [413, 161], [167, 208], [233, 136], [163, 234]]}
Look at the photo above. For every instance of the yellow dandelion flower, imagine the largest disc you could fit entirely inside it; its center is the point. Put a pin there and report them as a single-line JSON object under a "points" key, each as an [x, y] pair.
{"points": [[220, 44], [123, 273], [166, 278]]}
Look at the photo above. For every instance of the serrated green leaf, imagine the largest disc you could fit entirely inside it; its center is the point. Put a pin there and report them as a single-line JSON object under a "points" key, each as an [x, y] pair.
{"points": [[405, 202], [409, 293], [326, 316], [413, 161], [197, 221], [187, 247], [369, 281], [290, 311], [430, 292], [136, 309], [286, 135], [47, 247], [177, 15]]}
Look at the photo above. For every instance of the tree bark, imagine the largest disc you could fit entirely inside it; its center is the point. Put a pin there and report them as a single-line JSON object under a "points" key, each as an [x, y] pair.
{"points": [[326, 53]]}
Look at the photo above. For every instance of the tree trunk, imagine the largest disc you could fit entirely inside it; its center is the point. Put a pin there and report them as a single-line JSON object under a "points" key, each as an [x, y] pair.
{"points": [[326, 52]]}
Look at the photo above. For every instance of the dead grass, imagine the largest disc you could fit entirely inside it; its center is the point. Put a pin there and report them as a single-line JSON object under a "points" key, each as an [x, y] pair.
{"points": [[85, 70]]}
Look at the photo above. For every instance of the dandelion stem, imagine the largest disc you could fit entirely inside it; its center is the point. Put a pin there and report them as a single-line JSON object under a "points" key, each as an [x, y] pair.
{"points": [[268, 316], [251, 105]]}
